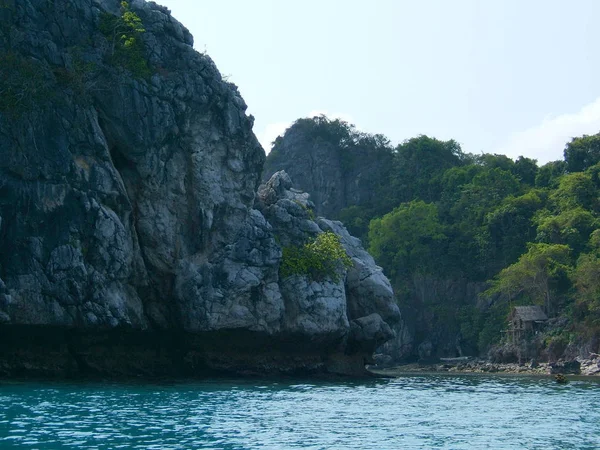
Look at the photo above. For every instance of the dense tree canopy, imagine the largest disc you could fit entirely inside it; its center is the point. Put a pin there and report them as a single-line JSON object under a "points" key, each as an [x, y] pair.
{"points": [[408, 238], [582, 153], [535, 276]]}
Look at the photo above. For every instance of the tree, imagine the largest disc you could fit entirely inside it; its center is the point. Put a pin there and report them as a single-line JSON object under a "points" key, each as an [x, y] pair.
{"points": [[587, 282], [535, 275], [356, 219], [571, 227], [526, 170], [124, 36], [487, 189], [420, 162], [494, 161], [548, 175], [451, 183], [407, 240], [575, 190], [510, 225], [582, 152]]}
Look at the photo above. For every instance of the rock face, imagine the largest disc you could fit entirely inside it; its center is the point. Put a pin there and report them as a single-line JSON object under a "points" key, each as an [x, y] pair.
{"points": [[359, 307], [335, 177], [129, 237]]}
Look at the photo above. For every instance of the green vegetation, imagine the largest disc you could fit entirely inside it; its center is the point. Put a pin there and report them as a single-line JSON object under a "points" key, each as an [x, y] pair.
{"points": [[537, 275], [582, 153], [441, 219], [127, 49], [23, 84], [406, 240], [320, 258]]}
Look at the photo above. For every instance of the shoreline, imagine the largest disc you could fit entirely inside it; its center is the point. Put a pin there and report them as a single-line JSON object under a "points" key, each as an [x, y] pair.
{"points": [[588, 368]]}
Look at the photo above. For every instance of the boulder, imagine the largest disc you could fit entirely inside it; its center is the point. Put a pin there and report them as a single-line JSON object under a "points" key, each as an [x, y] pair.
{"points": [[566, 367]]}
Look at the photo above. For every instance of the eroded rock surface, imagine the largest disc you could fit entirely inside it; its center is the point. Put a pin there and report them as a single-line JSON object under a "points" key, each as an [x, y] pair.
{"points": [[335, 177], [359, 307], [130, 241]]}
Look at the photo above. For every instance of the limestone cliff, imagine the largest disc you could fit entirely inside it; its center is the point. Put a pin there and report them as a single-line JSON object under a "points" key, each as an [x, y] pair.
{"points": [[129, 238], [336, 173]]}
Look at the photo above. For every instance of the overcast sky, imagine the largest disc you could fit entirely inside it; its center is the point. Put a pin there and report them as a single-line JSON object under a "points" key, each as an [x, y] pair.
{"points": [[505, 76]]}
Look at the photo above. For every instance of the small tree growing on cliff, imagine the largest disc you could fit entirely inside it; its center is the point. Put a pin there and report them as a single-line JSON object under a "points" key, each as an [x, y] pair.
{"points": [[320, 258], [124, 35]]}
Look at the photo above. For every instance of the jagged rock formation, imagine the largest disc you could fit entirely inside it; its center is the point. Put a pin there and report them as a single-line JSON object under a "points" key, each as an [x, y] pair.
{"points": [[357, 307], [129, 242]]}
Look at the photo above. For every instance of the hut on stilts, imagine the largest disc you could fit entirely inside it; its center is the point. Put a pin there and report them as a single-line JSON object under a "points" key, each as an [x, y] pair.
{"points": [[524, 321]]}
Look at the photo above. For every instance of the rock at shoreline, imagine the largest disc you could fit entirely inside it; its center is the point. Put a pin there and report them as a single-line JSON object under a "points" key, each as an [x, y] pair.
{"points": [[566, 367], [589, 367], [130, 239]]}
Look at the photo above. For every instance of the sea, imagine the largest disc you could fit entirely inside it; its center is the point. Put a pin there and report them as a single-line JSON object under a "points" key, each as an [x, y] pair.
{"points": [[408, 412]]}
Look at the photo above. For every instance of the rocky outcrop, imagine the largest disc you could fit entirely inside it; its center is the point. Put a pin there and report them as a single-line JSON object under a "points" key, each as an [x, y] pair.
{"points": [[358, 307], [334, 174], [130, 241]]}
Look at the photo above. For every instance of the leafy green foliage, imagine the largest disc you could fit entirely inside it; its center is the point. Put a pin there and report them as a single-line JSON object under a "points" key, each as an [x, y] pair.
{"points": [[535, 276], [419, 164], [575, 190], [338, 133], [548, 175], [127, 49], [510, 225], [582, 153], [571, 227], [571, 215], [587, 283], [586, 279], [321, 258], [408, 238], [492, 321], [356, 219], [526, 170], [485, 191]]}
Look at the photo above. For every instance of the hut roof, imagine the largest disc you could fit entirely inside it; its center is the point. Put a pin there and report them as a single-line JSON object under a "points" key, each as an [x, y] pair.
{"points": [[529, 313]]}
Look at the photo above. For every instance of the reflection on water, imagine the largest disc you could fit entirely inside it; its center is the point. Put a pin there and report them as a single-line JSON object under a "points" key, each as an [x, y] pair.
{"points": [[425, 412]]}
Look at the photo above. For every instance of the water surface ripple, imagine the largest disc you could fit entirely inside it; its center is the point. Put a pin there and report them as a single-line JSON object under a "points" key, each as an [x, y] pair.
{"points": [[412, 412]]}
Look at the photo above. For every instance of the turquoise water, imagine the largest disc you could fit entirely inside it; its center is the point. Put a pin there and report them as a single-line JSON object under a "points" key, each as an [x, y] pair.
{"points": [[413, 412]]}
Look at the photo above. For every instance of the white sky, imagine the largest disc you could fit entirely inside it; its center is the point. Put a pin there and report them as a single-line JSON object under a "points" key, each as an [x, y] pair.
{"points": [[501, 76]]}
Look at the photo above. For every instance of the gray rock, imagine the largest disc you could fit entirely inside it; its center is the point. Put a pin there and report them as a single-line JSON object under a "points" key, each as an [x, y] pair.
{"points": [[359, 306], [128, 209], [371, 328], [320, 167], [314, 309], [369, 290], [401, 346], [383, 360], [566, 367]]}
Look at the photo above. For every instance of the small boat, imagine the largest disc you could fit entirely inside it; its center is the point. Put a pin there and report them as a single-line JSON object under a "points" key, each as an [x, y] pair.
{"points": [[560, 379]]}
